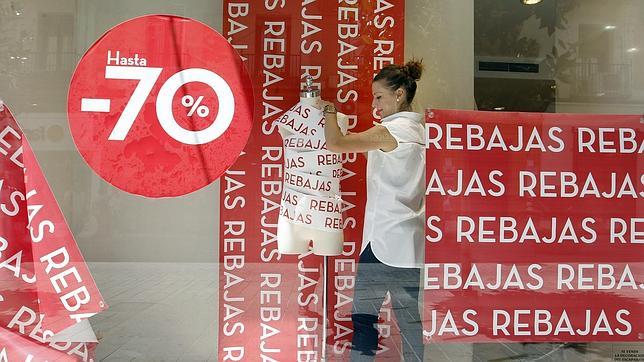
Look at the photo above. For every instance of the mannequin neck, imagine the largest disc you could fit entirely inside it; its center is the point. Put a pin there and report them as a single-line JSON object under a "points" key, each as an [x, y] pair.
{"points": [[314, 102]]}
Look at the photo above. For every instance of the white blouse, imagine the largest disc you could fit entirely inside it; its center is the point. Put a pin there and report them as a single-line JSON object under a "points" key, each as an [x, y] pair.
{"points": [[395, 210]]}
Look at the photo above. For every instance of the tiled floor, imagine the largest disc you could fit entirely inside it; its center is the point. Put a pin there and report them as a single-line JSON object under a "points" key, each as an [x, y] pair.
{"points": [[168, 312], [157, 312]]}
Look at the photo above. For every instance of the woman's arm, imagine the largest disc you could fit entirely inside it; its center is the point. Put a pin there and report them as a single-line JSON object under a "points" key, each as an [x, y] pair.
{"points": [[377, 137], [364, 154]]}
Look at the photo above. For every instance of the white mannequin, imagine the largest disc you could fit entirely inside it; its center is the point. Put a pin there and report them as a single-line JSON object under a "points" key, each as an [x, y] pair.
{"points": [[295, 238]]}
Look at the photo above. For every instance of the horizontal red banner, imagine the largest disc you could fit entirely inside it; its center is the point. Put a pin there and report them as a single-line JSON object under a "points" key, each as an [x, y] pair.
{"points": [[535, 227]]}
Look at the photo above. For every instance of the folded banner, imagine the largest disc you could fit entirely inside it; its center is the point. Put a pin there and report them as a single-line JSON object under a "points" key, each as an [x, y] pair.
{"points": [[534, 227], [15, 347], [45, 285]]}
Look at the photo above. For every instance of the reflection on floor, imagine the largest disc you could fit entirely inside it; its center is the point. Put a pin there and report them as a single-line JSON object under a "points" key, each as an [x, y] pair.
{"points": [[157, 312], [168, 312]]}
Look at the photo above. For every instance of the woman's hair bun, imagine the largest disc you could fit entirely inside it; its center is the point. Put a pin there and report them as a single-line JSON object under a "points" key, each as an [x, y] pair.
{"points": [[414, 68]]}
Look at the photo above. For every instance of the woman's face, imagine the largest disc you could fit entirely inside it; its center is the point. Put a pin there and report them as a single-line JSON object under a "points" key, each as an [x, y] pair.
{"points": [[384, 100]]}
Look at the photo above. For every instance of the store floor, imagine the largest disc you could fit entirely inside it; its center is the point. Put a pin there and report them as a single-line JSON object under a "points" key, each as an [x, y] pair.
{"points": [[157, 312], [167, 312]]}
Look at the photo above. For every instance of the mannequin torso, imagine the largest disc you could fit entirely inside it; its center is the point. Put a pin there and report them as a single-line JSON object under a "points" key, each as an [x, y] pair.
{"points": [[295, 238]]}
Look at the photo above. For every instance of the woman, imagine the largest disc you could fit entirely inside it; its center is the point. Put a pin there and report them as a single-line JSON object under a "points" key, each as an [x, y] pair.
{"points": [[393, 235]]}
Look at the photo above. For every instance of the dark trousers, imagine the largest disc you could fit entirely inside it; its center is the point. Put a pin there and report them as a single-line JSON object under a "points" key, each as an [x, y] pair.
{"points": [[374, 279]]}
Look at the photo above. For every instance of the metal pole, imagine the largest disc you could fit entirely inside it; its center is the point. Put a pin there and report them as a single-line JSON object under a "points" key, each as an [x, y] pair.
{"points": [[324, 319]]}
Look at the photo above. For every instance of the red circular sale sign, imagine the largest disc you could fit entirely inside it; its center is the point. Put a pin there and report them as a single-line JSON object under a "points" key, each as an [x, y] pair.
{"points": [[160, 106]]}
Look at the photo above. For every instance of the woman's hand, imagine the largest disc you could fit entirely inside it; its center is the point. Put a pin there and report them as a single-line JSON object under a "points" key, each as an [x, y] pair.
{"points": [[371, 139], [324, 103]]}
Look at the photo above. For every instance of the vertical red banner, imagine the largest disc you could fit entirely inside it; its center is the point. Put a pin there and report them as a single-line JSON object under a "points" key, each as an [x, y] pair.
{"points": [[271, 305], [535, 227]]}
